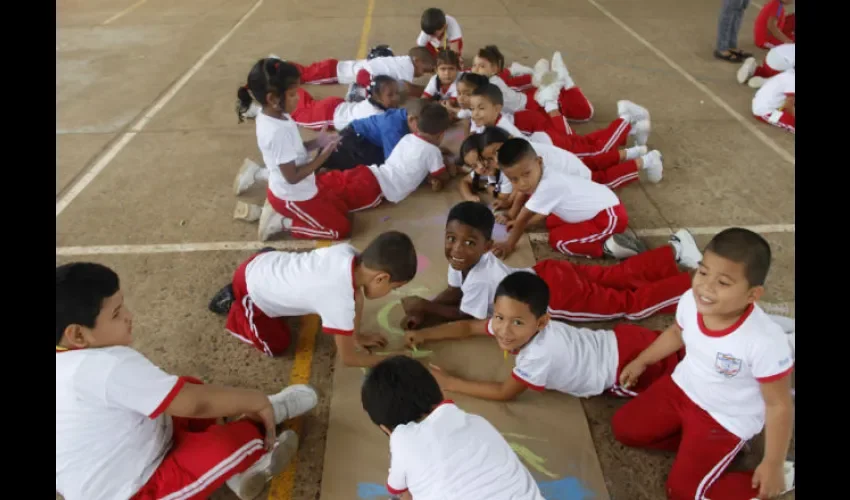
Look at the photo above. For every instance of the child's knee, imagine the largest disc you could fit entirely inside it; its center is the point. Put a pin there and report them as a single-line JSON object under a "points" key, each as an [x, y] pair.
{"points": [[624, 427]]}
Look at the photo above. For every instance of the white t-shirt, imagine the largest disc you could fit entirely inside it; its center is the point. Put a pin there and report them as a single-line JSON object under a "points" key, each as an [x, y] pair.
{"points": [[571, 198], [407, 166], [782, 57], [561, 159], [502, 183], [722, 371], [452, 33], [771, 96], [285, 284], [398, 67], [454, 455], [111, 434], [479, 287], [505, 121], [577, 361], [346, 71], [347, 112], [513, 101], [435, 89], [280, 143]]}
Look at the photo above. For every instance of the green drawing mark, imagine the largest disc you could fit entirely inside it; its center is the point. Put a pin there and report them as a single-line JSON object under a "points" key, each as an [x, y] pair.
{"points": [[384, 318], [416, 354], [522, 436], [532, 459]]}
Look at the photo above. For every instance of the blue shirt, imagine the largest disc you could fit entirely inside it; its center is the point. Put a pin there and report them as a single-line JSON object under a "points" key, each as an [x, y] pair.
{"points": [[384, 129]]}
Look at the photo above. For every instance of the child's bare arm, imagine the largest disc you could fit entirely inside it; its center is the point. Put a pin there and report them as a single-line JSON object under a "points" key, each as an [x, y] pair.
{"points": [[789, 106], [779, 409], [450, 296], [216, 401], [294, 174], [465, 187], [666, 344], [449, 331], [504, 248], [506, 390], [347, 345], [773, 28]]}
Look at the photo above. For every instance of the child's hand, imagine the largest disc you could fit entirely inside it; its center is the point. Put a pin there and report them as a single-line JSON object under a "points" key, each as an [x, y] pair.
{"points": [[324, 138], [499, 204], [503, 219], [769, 478], [371, 340], [412, 340], [329, 148], [412, 321], [265, 416], [502, 249], [509, 225], [436, 184], [631, 373], [443, 378]]}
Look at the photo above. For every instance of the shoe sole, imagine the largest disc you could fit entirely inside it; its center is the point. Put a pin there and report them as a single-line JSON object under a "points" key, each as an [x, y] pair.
{"points": [[745, 72], [225, 295], [633, 245], [755, 82], [253, 485]]}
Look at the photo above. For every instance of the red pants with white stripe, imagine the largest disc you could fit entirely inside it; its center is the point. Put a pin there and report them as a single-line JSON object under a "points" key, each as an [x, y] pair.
{"points": [[615, 176], [249, 324], [786, 122], [538, 120], [665, 418], [586, 238], [605, 140], [318, 72], [314, 114], [634, 289], [518, 82], [631, 341], [325, 216], [202, 457], [572, 103]]}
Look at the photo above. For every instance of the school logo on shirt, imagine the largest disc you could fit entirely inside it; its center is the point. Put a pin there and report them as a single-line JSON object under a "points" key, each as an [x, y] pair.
{"points": [[727, 365]]}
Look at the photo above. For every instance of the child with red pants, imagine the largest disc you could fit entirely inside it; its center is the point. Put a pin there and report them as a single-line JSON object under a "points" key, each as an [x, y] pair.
{"points": [[550, 355], [775, 102], [127, 429], [440, 32], [778, 59], [733, 382], [336, 113], [770, 28], [581, 215]]}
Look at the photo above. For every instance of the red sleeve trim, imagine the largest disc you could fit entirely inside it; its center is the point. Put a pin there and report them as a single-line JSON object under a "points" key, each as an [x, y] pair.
{"points": [[438, 172], [394, 491], [181, 381], [363, 78], [456, 39], [778, 376], [336, 331], [426, 95], [529, 384]]}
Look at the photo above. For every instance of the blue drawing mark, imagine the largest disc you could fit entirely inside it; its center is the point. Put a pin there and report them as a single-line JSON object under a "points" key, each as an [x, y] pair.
{"points": [[568, 488]]}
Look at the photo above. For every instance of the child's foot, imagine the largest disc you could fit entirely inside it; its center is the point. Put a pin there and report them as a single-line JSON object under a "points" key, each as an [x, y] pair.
{"points": [[247, 212], [631, 111], [547, 96], [635, 152], [222, 300], [518, 69], [246, 177], [560, 68], [653, 166], [250, 484], [271, 223], [640, 131], [756, 82], [685, 247], [541, 68], [745, 72], [355, 93], [622, 246], [293, 401]]}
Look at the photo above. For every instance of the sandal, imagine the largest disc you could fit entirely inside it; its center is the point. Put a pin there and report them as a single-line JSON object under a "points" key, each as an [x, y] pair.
{"points": [[741, 53], [732, 57]]}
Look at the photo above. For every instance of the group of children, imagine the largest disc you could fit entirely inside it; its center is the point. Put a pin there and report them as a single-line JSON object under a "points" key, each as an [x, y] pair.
{"points": [[704, 386]]}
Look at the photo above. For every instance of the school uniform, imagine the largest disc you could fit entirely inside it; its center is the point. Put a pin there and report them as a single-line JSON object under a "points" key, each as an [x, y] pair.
{"points": [[113, 439], [398, 67], [319, 204], [434, 45], [515, 82], [712, 403], [438, 91], [368, 141], [455, 455], [331, 112], [761, 36], [500, 183], [778, 59], [581, 213], [770, 98], [410, 163], [615, 176], [572, 103], [599, 147], [359, 70]]}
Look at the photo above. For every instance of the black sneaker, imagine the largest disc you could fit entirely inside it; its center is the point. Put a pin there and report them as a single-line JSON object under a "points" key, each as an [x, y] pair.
{"points": [[221, 302]]}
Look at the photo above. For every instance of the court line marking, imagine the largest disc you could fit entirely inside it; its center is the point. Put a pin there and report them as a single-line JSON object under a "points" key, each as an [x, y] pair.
{"points": [[696, 231], [116, 148], [749, 125], [123, 12]]}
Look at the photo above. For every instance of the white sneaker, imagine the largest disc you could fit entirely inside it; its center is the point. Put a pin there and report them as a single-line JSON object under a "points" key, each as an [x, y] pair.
{"points": [[246, 176], [271, 223], [635, 152], [518, 69], [687, 252], [250, 484], [548, 94], [745, 72], [756, 82], [640, 131], [541, 68], [653, 166], [622, 246], [275, 56], [293, 401], [560, 68], [247, 212], [631, 111]]}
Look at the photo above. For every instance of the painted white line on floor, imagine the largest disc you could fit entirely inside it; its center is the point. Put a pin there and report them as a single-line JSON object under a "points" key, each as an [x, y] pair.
{"points": [[104, 160], [696, 231], [123, 12], [748, 123], [215, 246]]}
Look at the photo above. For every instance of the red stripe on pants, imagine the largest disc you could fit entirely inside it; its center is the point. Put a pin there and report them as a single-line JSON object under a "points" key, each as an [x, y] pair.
{"points": [[618, 175], [635, 288], [586, 238], [787, 122], [615, 135], [318, 72], [665, 418], [314, 114]]}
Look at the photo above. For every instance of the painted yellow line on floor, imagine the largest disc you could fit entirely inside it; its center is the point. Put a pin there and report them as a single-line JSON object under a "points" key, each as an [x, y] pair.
{"points": [[123, 12], [214, 246], [364, 34]]}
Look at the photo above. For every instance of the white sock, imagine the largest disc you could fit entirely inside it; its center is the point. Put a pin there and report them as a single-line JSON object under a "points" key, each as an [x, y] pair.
{"points": [[635, 152], [261, 174], [551, 106]]}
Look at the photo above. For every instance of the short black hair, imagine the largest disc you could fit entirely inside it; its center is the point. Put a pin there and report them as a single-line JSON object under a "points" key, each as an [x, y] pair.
{"points": [[527, 288], [399, 390], [423, 55], [414, 107], [513, 151], [434, 119], [381, 82], [494, 55], [473, 79], [744, 247], [393, 253], [433, 20], [81, 289], [475, 215], [449, 57], [267, 75], [490, 92], [471, 143], [492, 135]]}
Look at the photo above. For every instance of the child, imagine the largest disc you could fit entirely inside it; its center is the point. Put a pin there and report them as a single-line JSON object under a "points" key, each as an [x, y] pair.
{"points": [[490, 61], [465, 86], [549, 354], [498, 185], [443, 85], [774, 102], [634, 289], [581, 215], [733, 379], [127, 429], [437, 450], [777, 60], [334, 112], [331, 282], [770, 27], [440, 32]]}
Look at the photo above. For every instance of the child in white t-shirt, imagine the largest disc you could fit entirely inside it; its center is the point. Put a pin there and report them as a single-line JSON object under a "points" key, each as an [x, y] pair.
{"points": [[733, 382], [497, 185], [778, 59], [127, 429], [774, 102], [437, 450], [440, 32], [443, 85]]}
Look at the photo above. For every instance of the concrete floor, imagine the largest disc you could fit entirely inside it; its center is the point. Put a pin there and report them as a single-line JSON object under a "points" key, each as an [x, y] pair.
{"points": [[170, 184]]}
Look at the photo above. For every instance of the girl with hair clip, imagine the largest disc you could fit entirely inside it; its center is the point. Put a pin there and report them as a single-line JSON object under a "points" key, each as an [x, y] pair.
{"points": [[497, 184], [308, 205]]}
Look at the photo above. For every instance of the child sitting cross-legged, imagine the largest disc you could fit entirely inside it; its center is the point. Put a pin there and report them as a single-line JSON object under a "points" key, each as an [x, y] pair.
{"points": [[437, 450], [127, 429]]}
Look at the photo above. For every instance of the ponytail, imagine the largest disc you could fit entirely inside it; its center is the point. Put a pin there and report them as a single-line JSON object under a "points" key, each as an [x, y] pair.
{"points": [[243, 102]]}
